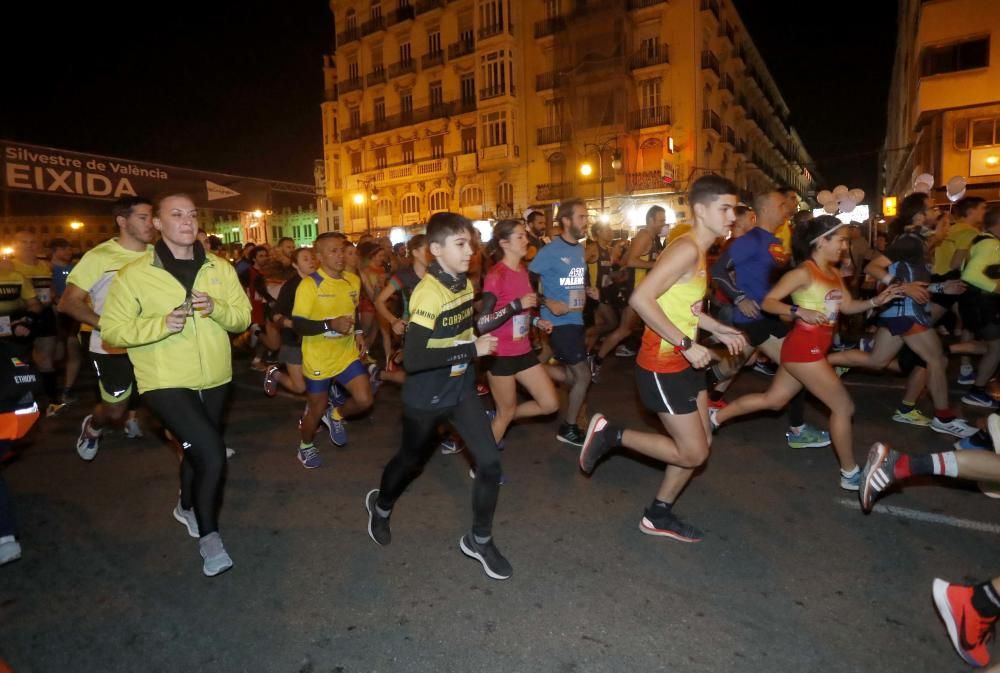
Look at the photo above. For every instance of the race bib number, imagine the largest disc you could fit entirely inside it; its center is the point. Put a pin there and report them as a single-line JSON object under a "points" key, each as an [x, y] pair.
{"points": [[522, 324], [44, 295], [832, 304], [459, 369], [5, 328], [577, 298]]}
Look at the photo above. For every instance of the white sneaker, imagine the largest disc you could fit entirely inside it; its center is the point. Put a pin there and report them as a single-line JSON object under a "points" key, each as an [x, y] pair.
{"points": [[230, 453], [10, 550], [214, 554], [624, 351], [132, 429], [87, 443], [187, 518], [956, 427]]}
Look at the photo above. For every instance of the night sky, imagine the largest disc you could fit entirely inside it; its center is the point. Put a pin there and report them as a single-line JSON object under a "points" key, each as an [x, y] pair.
{"points": [[236, 87]]}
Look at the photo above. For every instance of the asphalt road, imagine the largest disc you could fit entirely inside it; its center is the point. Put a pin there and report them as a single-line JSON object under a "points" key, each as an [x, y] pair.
{"points": [[790, 576]]}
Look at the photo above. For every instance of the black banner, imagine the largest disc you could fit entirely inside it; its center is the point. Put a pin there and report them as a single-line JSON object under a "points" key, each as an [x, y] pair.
{"points": [[55, 172]]}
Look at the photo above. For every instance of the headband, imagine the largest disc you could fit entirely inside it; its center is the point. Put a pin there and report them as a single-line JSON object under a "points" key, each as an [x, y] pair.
{"points": [[828, 232]]}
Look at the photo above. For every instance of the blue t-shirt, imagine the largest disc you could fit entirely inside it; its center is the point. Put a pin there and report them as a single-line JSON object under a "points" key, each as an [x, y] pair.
{"points": [[59, 276], [755, 255], [563, 273]]}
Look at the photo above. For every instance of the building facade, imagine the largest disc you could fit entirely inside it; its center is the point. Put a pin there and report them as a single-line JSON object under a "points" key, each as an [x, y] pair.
{"points": [[944, 99], [488, 107], [300, 224]]}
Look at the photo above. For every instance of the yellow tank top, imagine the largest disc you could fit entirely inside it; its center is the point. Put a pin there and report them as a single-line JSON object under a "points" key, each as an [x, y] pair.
{"points": [[824, 293], [655, 248], [682, 304]]}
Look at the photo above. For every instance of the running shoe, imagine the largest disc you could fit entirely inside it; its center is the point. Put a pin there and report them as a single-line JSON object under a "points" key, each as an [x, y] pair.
{"points": [[271, 381], [187, 519], [570, 434], [912, 417], [54, 409], [450, 445], [966, 375], [878, 474], [956, 427], [338, 396], [132, 428], [375, 377], [973, 443], [494, 564], [717, 404], [595, 444], [378, 526], [810, 437], [338, 429], [595, 369], [309, 457], [866, 344], [69, 398], [230, 453], [623, 351], [977, 398], [851, 482], [663, 522], [10, 549], [482, 389], [969, 631], [765, 368], [840, 371], [214, 553], [713, 419], [88, 442], [491, 414]]}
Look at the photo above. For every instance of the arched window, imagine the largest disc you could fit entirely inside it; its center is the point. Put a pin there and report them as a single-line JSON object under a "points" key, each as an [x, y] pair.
{"points": [[650, 154], [472, 195], [385, 207], [410, 204], [438, 201], [505, 198]]}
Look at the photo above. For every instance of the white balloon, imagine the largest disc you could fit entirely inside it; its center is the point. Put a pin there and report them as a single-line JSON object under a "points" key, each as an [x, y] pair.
{"points": [[840, 189], [846, 204], [924, 177], [824, 197], [858, 195], [830, 207], [956, 187], [922, 187]]}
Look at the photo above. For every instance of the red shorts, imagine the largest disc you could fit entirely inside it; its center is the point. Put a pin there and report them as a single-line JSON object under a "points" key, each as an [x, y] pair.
{"points": [[807, 343]]}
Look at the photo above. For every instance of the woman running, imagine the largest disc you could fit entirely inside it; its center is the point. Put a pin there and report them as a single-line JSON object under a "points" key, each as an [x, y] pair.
{"points": [[818, 298], [404, 281], [290, 353], [506, 314], [373, 280]]}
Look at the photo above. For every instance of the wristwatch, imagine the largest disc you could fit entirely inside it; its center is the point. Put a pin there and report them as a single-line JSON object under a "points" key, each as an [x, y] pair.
{"points": [[685, 344]]}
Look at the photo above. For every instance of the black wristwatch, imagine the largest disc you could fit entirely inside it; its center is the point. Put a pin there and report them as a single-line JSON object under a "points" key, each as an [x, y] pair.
{"points": [[685, 344]]}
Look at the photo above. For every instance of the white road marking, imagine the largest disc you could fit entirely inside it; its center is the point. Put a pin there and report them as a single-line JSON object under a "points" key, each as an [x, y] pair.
{"points": [[928, 517]]}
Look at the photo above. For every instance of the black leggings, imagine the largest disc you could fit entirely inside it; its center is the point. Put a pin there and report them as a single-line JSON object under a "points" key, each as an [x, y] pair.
{"points": [[195, 419], [420, 439]]}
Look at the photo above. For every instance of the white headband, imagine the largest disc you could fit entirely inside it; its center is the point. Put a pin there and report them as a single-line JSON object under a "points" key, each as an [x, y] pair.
{"points": [[827, 232]]}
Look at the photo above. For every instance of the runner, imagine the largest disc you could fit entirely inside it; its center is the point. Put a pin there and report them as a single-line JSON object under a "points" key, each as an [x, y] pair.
{"points": [[86, 291], [970, 614], [561, 271], [440, 387], [404, 281], [305, 264], [980, 305], [173, 309], [604, 274], [374, 278], [44, 329], [506, 313], [818, 298], [325, 315], [536, 228], [669, 300], [67, 328]]}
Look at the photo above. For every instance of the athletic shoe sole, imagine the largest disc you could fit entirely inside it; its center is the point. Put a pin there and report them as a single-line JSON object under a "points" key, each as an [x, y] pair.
{"points": [[899, 418], [876, 455], [370, 508], [954, 433], [83, 433], [587, 439], [808, 445], [217, 571], [940, 590], [646, 526], [476, 555], [193, 532], [567, 441], [973, 402]]}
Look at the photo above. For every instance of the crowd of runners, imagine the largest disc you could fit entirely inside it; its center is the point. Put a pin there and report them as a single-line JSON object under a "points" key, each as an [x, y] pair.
{"points": [[527, 318]]}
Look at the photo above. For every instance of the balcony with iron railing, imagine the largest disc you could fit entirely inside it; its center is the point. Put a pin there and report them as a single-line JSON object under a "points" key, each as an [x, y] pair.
{"points": [[709, 61], [739, 54], [376, 76], [727, 31], [712, 7], [406, 118], [547, 80], [710, 121], [496, 91], [550, 191], [729, 136], [349, 35], [372, 25], [348, 85], [643, 4], [461, 48], [432, 59], [644, 58], [401, 15], [352, 133], [424, 6], [495, 29], [406, 67], [644, 180], [548, 135], [549, 26], [651, 116]]}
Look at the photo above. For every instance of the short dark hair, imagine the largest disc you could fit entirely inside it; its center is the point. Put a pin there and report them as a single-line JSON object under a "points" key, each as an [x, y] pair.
{"points": [[442, 225], [123, 206], [59, 243], [533, 214], [966, 204], [804, 238], [566, 210], [331, 235], [297, 252], [214, 243], [653, 212], [992, 217], [255, 253], [785, 190], [249, 244], [742, 210], [285, 238], [416, 242], [708, 188]]}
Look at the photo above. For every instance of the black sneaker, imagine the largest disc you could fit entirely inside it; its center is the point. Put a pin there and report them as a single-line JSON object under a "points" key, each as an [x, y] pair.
{"points": [[570, 434], [378, 526], [595, 444], [495, 565], [664, 523]]}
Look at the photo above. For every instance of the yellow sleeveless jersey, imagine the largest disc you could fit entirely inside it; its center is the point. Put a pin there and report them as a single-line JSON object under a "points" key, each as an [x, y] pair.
{"points": [[824, 293]]}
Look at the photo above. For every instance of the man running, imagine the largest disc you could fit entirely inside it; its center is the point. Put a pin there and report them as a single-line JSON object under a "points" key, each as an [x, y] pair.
{"points": [[44, 330]]}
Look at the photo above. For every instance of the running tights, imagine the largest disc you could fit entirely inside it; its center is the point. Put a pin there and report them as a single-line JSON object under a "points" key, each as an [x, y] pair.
{"points": [[194, 417], [420, 440]]}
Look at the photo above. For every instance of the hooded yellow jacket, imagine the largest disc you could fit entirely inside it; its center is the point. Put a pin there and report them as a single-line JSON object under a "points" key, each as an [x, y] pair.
{"points": [[199, 356]]}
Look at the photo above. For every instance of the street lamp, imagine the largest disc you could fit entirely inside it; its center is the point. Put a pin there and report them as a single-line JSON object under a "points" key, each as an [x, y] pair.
{"points": [[586, 168], [77, 227], [366, 197]]}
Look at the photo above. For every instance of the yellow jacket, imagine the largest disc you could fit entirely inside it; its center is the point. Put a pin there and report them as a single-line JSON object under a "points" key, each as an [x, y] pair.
{"points": [[199, 356]]}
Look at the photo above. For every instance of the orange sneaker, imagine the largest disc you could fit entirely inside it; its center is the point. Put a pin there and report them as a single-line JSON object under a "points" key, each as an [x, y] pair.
{"points": [[969, 631]]}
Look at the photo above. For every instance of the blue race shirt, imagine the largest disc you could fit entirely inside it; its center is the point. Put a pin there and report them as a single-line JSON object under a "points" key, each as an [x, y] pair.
{"points": [[755, 255], [563, 272]]}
